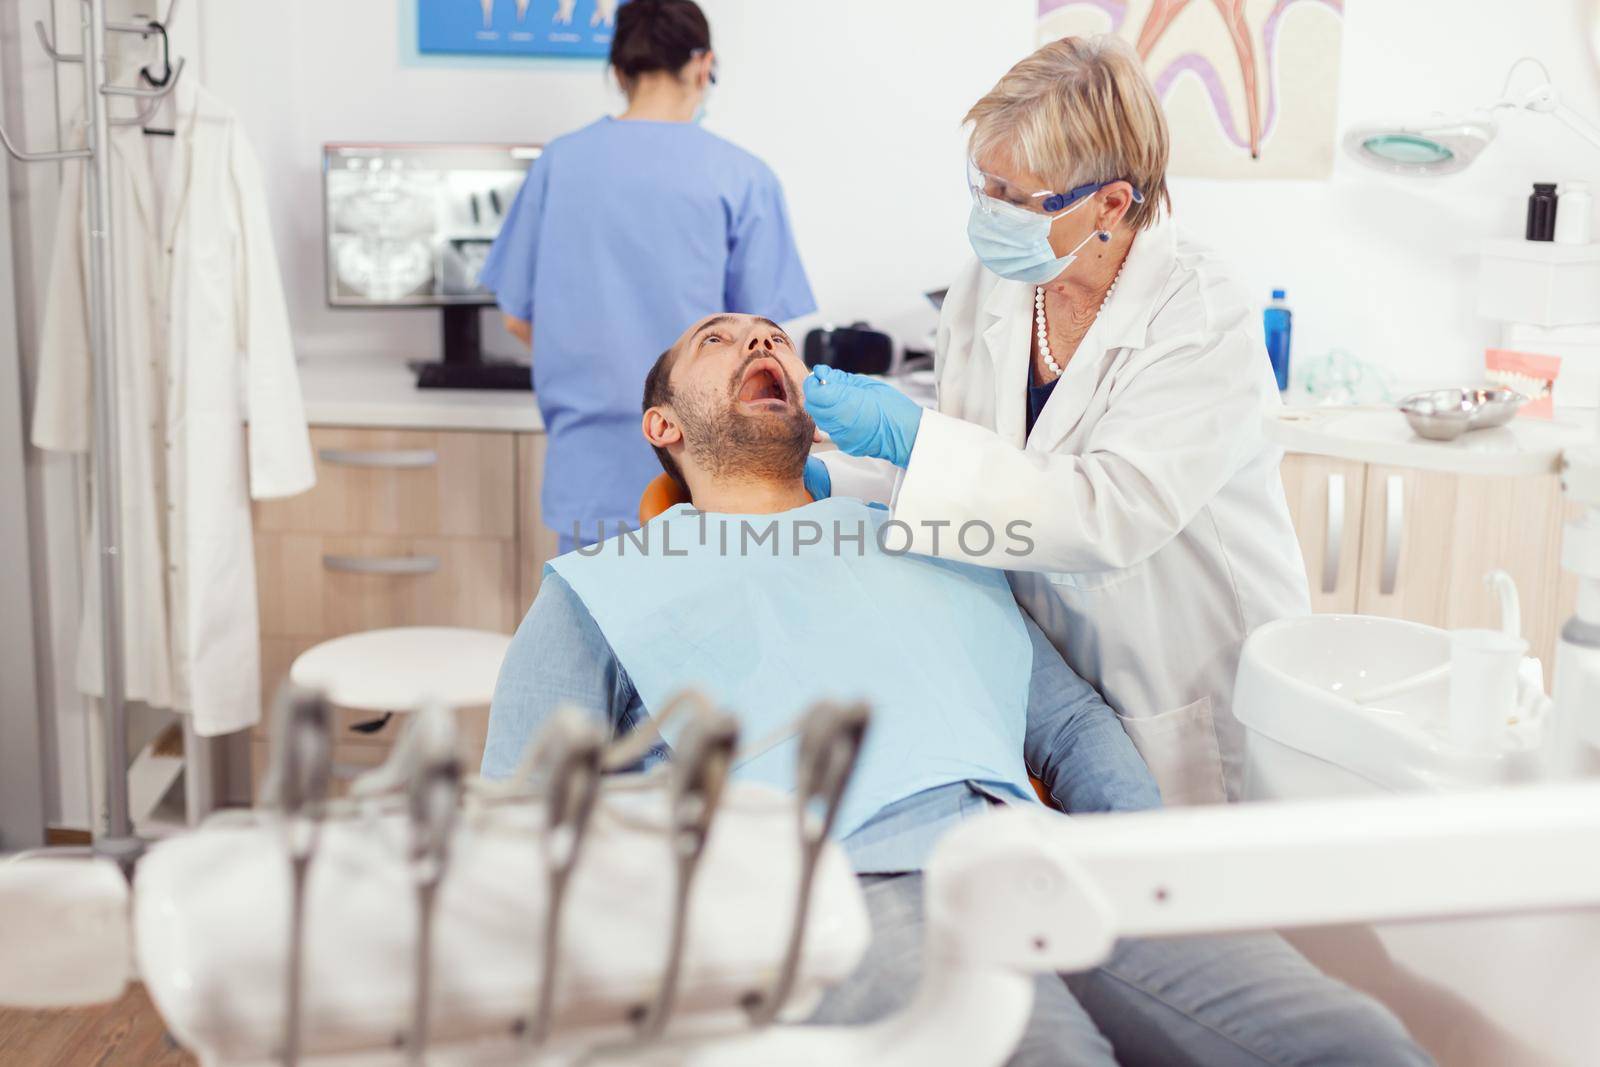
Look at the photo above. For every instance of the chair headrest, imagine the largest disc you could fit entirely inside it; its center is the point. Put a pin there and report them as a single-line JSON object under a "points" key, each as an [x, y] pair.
{"points": [[662, 493]]}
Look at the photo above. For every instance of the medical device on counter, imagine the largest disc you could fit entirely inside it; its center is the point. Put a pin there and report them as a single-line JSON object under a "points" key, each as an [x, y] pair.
{"points": [[411, 226], [856, 348]]}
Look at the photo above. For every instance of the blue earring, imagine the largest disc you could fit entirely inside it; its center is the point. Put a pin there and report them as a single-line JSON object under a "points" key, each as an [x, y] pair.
{"points": [[1104, 236]]}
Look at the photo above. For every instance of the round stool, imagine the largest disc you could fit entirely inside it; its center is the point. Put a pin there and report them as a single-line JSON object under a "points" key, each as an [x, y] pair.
{"points": [[403, 668]]}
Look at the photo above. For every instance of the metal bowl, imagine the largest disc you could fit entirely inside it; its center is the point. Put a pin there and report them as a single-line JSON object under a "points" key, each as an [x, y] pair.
{"points": [[1445, 414]]}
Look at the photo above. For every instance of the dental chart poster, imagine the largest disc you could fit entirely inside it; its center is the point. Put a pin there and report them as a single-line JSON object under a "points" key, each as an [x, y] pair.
{"points": [[1250, 87], [517, 27]]}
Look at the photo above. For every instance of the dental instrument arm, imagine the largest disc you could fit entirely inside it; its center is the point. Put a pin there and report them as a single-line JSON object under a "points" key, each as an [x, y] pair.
{"points": [[700, 769], [434, 794], [296, 786], [1074, 743], [1544, 99], [830, 744]]}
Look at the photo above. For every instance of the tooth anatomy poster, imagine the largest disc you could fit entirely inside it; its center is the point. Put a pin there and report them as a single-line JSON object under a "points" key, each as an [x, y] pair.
{"points": [[517, 27], [1250, 87]]}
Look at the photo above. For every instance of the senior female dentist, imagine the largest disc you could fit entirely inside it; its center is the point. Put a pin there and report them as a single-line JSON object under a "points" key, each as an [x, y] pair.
{"points": [[1098, 432]]}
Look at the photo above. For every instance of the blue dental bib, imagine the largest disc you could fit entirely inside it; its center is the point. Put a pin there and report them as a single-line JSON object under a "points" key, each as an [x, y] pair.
{"points": [[768, 614]]}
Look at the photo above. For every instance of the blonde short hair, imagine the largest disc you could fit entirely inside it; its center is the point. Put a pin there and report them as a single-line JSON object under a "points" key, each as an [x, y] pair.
{"points": [[1080, 110]]}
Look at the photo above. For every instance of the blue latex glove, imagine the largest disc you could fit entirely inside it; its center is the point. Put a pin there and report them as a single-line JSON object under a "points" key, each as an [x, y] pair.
{"points": [[819, 483], [865, 417]]}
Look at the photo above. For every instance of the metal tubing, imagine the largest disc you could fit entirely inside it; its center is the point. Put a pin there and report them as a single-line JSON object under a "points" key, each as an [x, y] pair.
{"points": [[50, 49], [118, 841], [39, 157]]}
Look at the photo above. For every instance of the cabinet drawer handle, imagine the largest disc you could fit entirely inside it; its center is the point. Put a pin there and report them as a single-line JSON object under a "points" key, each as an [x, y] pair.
{"points": [[1394, 518], [1333, 547], [381, 564], [393, 459]]}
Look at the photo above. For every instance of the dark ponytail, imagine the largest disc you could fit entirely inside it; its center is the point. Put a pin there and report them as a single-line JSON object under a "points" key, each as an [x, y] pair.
{"points": [[657, 35]]}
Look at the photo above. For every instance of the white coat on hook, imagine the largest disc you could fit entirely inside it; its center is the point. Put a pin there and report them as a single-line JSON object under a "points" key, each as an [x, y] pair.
{"points": [[208, 404]]}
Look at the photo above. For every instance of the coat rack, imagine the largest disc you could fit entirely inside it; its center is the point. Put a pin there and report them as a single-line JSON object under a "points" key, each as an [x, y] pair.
{"points": [[118, 842]]}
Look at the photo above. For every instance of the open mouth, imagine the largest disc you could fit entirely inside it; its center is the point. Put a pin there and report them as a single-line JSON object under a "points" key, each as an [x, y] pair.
{"points": [[764, 385]]}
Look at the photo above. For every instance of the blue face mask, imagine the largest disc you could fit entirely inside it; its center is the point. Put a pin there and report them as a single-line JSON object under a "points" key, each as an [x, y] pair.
{"points": [[1015, 243]]}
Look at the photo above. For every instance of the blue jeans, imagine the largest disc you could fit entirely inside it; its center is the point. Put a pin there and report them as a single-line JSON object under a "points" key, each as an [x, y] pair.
{"points": [[1237, 1001]]}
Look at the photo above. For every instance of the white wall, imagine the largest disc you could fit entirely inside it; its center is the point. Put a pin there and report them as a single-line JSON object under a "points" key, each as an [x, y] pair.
{"points": [[856, 106], [1384, 266]]}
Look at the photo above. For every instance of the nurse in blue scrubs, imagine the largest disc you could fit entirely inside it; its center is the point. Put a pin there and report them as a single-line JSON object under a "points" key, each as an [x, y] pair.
{"points": [[624, 232]]}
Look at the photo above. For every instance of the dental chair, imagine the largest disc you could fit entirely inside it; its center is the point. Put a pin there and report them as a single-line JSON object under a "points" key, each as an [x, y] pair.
{"points": [[663, 492]]}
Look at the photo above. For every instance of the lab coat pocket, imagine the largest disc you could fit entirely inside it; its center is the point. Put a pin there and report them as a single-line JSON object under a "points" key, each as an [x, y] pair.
{"points": [[1180, 747]]}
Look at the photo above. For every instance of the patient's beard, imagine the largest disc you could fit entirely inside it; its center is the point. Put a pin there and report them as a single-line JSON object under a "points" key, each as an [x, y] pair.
{"points": [[732, 446]]}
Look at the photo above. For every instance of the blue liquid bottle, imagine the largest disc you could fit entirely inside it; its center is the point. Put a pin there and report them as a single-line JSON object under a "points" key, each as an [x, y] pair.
{"points": [[1279, 322]]}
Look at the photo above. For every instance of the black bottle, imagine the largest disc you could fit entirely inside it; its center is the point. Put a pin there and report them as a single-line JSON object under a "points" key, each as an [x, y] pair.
{"points": [[1542, 212]]}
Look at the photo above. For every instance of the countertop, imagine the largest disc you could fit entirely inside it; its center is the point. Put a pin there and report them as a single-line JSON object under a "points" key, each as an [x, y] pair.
{"points": [[1380, 434], [374, 389], [378, 390]]}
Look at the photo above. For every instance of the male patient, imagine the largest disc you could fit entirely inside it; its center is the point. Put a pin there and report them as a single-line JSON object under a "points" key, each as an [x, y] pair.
{"points": [[768, 601]]}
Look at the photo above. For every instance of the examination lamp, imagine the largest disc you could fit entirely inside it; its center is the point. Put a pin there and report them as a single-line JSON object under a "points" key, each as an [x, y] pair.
{"points": [[1443, 144]]}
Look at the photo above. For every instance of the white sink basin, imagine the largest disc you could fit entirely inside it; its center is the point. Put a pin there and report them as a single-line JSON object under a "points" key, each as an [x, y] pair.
{"points": [[1494, 992], [1296, 687]]}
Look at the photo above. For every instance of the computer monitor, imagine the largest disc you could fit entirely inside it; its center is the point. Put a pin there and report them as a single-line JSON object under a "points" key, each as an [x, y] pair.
{"points": [[409, 225]]}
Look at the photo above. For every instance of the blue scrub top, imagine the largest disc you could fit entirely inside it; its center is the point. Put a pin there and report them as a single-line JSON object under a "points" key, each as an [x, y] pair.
{"points": [[626, 232]]}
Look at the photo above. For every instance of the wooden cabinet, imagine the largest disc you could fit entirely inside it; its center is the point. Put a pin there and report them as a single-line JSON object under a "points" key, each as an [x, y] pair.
{"points": [[1416, 544], [1325, 498], [321, 586], [1434, 536], [403, 482], [404, 528], [536, 543]]}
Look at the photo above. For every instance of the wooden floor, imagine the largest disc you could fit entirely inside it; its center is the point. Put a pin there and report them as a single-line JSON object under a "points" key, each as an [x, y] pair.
{"points": [[124, 1034]]}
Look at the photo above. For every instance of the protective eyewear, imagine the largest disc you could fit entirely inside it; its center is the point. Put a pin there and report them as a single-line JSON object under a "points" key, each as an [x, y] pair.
{"points": [[992, 193]]}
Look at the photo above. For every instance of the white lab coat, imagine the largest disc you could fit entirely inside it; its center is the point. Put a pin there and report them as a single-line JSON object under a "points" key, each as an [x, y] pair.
{"points": [[203, 348], [1160, 533]]}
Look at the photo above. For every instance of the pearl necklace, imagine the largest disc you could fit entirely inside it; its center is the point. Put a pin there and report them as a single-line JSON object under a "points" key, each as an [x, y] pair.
{"points": [[1044, 330]]}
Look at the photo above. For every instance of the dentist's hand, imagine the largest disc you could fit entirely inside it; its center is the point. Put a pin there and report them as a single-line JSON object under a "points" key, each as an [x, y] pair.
{"points": [[819, 483], [865, 417]]}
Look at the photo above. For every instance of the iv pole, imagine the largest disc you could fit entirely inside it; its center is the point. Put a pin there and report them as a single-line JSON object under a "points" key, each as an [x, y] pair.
{"points": [[118, 843]]}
